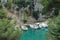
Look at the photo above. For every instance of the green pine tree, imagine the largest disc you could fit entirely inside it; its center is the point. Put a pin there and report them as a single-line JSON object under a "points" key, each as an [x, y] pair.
{"points": [[7, 28]]}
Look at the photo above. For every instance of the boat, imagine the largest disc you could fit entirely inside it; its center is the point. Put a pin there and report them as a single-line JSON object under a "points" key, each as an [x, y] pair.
{"points": [[44, 25], [24, 28], [40, 26], [34, 26], [31, 26]]}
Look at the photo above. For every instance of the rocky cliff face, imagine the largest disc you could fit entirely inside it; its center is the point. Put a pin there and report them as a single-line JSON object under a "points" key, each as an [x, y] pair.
{"points": [[4, 1]]}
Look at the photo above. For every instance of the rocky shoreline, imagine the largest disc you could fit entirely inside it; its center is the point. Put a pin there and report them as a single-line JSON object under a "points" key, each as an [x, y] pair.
{"points": [[34, 26]]}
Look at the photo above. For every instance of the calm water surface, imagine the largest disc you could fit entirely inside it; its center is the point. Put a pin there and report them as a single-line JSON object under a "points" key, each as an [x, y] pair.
{"points": [[31, 34]]}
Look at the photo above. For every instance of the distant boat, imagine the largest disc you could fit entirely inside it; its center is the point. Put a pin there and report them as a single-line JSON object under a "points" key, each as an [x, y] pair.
{"points": [[24, 28], [39, 25], [31, 26], [34, 26], [44, 25]]}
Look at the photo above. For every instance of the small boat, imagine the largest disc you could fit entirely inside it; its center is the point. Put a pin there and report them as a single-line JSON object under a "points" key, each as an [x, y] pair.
{"points": [[31, 26], [24, 28], [44, 25], [40, 26], [34, 26], [37, 25]]}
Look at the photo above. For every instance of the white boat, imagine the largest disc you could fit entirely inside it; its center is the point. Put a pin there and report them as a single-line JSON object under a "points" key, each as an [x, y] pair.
{"points": [[24, 28], [40, 26], [37, 25], [34, 26], [31, 26], [44, 25]]}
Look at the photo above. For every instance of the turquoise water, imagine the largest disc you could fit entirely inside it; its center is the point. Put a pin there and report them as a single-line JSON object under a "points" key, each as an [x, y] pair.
{"points": [[31, 34]]}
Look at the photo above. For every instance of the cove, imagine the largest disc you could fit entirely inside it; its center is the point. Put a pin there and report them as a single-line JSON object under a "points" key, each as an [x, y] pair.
{"points": [[31, 34]]}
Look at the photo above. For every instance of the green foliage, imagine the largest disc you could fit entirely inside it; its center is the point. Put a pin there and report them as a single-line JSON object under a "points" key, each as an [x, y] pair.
{"points": [[48, 5], [44, 2], [17, 1], [20, 3], [9, 4], [0, 6], [7, 28], [25, 17], [7, 31], [3, 14], [54, 28]]}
